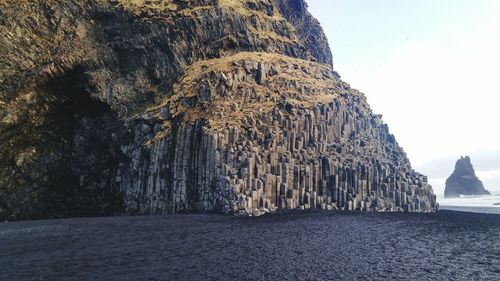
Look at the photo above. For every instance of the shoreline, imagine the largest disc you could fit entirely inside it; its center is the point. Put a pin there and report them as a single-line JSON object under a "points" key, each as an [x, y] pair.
{"points": [[285, 212], [493, 210], [476, 204]]}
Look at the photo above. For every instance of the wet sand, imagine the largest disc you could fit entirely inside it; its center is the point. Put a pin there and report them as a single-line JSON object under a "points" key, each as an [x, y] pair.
{"points": [[447, 245]]}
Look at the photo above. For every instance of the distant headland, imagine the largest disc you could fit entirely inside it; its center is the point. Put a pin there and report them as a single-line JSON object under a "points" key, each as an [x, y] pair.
{"points": [[463, 180]]}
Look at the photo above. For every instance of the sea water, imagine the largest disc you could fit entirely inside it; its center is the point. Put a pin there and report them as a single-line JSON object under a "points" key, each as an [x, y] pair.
{"points": [[478, 204]]}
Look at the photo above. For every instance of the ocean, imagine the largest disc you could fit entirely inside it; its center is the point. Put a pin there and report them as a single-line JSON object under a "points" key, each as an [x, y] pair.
{"points": [[476, 204]]}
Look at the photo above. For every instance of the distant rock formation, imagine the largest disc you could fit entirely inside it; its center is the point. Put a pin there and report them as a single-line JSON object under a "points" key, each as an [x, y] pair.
{"points": [[463, 180]]}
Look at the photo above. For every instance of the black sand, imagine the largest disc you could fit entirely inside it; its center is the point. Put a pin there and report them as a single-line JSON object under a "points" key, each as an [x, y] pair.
{"points": [[446, 245]]}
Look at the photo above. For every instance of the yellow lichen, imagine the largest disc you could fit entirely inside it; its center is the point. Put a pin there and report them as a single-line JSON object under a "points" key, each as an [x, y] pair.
{"points": [[166, 130]]}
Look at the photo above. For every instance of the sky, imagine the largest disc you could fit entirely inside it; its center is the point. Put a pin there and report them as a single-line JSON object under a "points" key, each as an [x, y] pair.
{"points": [[432, 69]]}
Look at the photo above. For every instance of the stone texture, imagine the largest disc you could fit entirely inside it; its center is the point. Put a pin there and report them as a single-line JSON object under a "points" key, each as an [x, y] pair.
{"points": [[155, 107], [463, 180]]}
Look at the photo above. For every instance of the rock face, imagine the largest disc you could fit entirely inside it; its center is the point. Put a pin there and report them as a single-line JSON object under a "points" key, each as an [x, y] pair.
{"points": [[154, 107], [463, 180]]}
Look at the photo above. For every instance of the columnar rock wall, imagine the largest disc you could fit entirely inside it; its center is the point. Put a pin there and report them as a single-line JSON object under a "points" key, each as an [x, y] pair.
{"points": [[165, 106], [258, 135]]}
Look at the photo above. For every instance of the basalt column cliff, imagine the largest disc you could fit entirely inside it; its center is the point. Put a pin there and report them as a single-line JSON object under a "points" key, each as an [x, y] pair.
{"points": [[153, 107]]}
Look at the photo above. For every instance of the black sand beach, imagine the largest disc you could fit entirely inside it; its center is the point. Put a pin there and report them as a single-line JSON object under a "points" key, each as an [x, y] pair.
{"points": [[446, 245]]}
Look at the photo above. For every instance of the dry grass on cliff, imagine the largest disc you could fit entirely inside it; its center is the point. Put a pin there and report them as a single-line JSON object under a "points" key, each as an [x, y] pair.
{"points": [[169, 10], [299, 82], [241, 7], [150, 7], [238, 6]]}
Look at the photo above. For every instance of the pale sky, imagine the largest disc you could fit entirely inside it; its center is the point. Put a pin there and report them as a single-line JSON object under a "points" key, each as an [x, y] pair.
{"points": [[432, 69]]}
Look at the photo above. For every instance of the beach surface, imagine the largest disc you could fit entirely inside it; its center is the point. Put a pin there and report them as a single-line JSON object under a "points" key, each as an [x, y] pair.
{"points": [[446, 245]]}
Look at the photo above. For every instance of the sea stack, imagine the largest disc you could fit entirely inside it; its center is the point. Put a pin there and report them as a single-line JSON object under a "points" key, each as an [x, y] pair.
{"points": [[463, 180], [158, 107]]}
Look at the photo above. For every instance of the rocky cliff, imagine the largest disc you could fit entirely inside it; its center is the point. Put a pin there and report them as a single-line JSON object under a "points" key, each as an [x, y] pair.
{"points": [[154, 107], [463, 180]]}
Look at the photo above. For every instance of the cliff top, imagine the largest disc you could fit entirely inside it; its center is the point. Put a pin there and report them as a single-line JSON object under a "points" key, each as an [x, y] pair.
{"points": [[464, 165]]}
